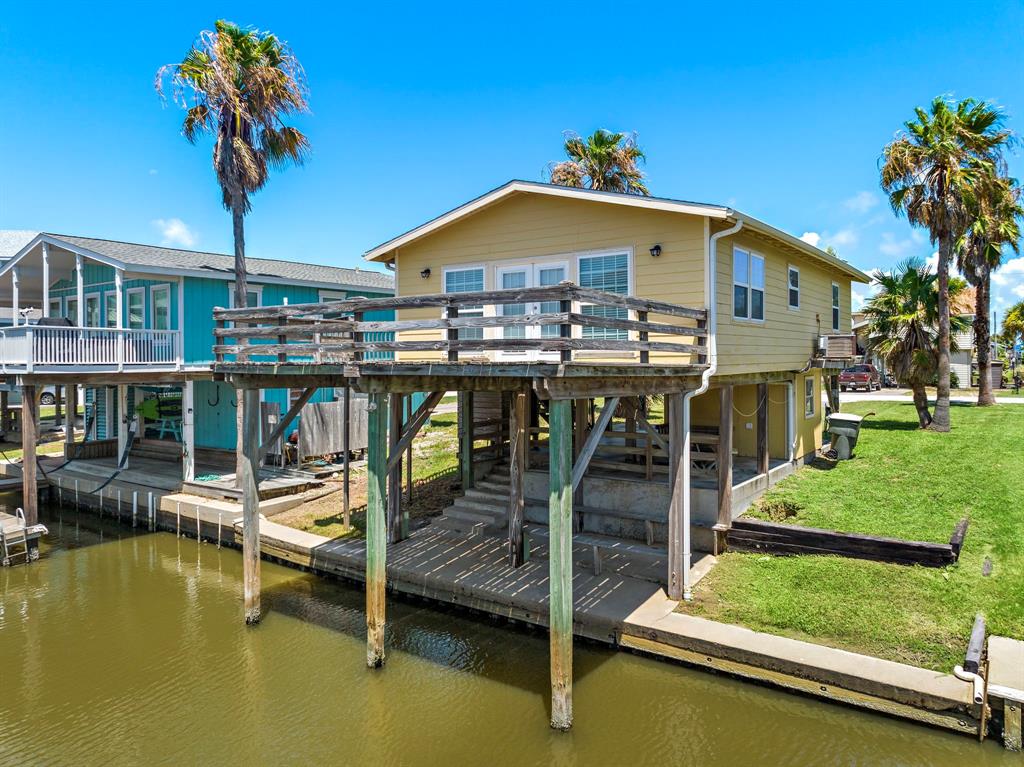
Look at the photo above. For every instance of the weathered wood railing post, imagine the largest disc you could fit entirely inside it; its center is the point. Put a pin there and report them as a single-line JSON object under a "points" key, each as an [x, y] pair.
{"points": [[678, 478], [465, 419], [394, 504], [762, 428], [29, 437], [376, 527], [518, 437], [560, 561], [565, 329], [346, 431], [452, 334], [724, 465], [357, 339], [249, 481], [644, 336]]}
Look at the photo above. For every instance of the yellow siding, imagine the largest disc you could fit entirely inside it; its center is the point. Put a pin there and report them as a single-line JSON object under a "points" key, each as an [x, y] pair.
{"points": [[785, 340], [538, 229]]}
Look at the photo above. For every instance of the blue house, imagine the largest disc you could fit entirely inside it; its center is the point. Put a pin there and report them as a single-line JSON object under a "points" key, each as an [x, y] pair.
{"points": [[133, 326]]}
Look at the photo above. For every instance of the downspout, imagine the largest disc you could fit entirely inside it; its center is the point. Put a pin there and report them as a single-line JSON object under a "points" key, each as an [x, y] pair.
{"points": [[711, 302]]}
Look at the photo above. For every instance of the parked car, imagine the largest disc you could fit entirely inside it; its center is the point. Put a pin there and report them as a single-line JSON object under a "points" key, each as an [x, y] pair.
{"points": [[47, 397], [860, 377]]}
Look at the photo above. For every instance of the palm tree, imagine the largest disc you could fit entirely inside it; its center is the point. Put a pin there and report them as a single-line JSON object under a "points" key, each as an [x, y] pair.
{"points": [[903, 321], [930, 172], [1012, 331], [604, 160], [237, 85], [995, 223]]}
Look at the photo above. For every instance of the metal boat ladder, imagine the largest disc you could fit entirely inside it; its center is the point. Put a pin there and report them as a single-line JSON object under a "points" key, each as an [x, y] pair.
{"points": [[13, 536]]}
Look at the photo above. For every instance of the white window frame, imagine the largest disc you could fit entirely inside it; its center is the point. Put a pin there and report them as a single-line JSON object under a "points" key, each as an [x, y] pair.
{"points": [[482, 268], [109, 297], [837, 303], [73, 316], [749, 286], [128, 306], [532, 269], [789, 287], [630, 277], [257, 289], [810, 398], [153, 290], [59, 301], [99, 310]]}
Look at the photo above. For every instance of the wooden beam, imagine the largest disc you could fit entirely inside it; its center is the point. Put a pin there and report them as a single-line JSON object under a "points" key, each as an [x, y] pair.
{"points": [[678, 477], [29, 438], [249, 407], [580, 422], [413, 426], [593, 440], [517, 471], [346, 414], [188, 426], [762, 428], [560, 562], [646, 426], [466, 439], [394, 471], [376, 528], [283, 424], [724, 458], [72, 419]]}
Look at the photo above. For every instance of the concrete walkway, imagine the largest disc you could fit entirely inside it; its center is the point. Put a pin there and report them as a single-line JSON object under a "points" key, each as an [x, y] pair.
{"points": [[899, 395]]}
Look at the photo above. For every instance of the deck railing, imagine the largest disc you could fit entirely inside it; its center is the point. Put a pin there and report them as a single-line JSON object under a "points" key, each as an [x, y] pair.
{"points": [[502, 322], [30, 348]]}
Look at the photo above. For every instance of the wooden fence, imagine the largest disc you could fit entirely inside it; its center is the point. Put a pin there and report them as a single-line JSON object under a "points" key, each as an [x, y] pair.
{"points": [[586, 320]]}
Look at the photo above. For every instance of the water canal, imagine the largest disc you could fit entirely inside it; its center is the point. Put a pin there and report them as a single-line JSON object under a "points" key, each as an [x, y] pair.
{"points": [[128, 647]]}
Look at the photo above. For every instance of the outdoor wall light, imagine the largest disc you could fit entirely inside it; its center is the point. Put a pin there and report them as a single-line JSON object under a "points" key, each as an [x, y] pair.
{"points": [[425, 274], [656, 250]]}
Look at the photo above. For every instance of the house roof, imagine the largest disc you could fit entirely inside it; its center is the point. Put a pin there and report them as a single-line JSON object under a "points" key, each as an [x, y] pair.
{"points": [[383, 251], [163, 259]]}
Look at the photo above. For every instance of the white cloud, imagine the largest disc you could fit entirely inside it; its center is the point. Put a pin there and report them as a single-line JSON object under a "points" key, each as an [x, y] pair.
{"points": [[857, 300], [811, 238], [1005, 274], [1018, 290], [933, 261], [861, 202], [175, 232], [890, 246], [843, 238]]}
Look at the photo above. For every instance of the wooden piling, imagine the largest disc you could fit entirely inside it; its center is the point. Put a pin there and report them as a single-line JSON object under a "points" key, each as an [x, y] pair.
{"points": [[465, 417], [29, 437], [249, 404], [560, 561], [762, 428], [394, 494], [517, 470], [679, 444], [72, 418], [346, 410], [724, 458], [376, 527]]}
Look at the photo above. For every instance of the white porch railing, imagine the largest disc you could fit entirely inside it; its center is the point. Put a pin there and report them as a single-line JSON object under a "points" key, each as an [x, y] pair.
{"points": [[31, 348]]}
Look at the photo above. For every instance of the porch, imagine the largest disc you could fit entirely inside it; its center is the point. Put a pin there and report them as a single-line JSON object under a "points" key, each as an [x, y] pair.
{"points": [[68, 349]]}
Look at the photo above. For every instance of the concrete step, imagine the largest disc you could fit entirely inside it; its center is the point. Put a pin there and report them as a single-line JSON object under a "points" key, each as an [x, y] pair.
{"points": [[456, 525], [480, 506], [491, 486], [494, 497], [453, 512]]}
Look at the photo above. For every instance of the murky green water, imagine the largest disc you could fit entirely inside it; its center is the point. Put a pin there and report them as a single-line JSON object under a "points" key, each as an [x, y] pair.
{"points": [[130, 649]]}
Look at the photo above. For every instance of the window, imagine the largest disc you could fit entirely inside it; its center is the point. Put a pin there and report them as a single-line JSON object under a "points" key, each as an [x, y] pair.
{"points": [[809, 397], [136, 308], [794, 288], [835, 307], [92, 311], [253, 296], [609, 273], [55, 307], [510, 279], [72, 310], [160, 298], [748, 285], [466, 281], [110, 300]]}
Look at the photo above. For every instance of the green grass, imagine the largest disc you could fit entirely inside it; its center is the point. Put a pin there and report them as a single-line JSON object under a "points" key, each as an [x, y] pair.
{"points": [[902, 483]]}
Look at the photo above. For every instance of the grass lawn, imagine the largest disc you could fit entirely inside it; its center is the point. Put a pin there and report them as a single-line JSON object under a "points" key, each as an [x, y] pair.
{"points": [[434, 471], [902, 483]]}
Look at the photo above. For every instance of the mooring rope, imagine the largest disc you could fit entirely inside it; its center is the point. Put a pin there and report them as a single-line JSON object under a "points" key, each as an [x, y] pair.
{"points": [[124, 456]]}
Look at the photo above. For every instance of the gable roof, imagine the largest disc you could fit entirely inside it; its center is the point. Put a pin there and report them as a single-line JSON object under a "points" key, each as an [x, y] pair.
{"points": [[13, 240], [156, 258], [382, 251]]}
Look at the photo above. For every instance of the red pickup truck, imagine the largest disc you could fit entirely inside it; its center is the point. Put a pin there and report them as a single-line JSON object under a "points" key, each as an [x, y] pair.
{"points": [[860, 377]]}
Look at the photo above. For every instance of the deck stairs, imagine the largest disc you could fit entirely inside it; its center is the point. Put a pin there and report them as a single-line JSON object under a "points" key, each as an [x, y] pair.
{"points": [[483, 511]]}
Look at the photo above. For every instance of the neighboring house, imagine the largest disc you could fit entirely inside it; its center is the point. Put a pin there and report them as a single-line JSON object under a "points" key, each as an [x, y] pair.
{"points": [[139, 326], [12, 241], [777, 298]]}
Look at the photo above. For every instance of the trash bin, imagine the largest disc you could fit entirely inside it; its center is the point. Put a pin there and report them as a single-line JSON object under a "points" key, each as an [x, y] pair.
{"points": [[844, 428]]}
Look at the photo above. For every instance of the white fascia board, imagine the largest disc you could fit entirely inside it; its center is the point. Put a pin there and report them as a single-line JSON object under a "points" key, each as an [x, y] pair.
{"points": [[50, 240]]}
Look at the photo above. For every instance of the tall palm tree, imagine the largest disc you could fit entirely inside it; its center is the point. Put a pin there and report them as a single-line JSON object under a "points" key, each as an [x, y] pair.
{"points": [[238, 85], [604, 160], [903, 319], [995, 217], [930, 172], [1012, 331]]}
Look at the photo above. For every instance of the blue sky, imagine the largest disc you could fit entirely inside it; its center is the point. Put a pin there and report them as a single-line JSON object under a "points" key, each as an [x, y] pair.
{"points": [[417, 108]]}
